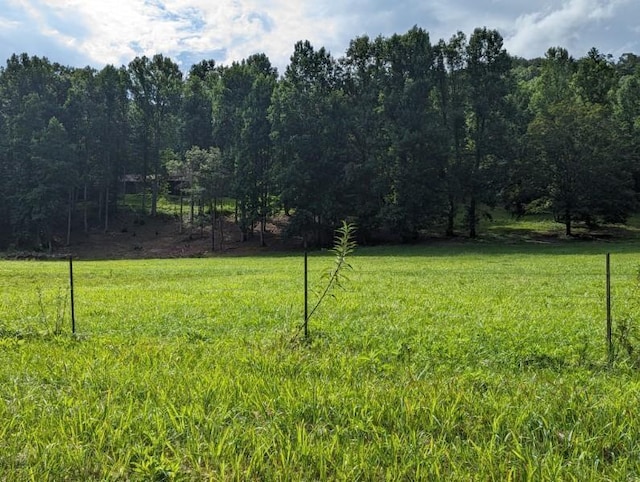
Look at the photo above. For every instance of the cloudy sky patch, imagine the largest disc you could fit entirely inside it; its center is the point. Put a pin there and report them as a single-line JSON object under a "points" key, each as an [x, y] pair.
{"points": [[100, 32]]}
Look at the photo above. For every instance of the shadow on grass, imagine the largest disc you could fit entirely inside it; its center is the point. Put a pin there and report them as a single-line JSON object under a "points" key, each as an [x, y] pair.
{"points": [[506, 236]]}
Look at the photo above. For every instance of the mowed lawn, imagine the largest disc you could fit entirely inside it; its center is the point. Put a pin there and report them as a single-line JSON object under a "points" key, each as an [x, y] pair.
{"points": [[468, 361]]}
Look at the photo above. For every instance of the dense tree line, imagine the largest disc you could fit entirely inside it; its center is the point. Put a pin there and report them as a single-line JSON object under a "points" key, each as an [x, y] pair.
{"points": [[398, 135]]}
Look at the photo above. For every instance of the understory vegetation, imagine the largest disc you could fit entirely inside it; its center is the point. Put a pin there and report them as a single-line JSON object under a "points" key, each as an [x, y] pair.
{"points": [[468, 361]]}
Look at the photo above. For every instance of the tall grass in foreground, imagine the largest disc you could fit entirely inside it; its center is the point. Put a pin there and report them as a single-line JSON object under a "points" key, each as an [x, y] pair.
{"points": [[471, 362]]}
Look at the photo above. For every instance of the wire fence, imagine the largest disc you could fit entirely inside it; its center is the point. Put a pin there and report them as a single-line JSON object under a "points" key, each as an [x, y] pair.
{"points": [[260, 295]]}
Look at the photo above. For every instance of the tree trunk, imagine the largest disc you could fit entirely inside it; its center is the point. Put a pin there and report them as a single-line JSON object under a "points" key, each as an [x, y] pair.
{"points": [[143, 202], [192, 203], [212, 207], [235, 218], [318, 229], [472, 217], [154, 198], [115, 201], [70, 209], [451, 217], [263, 216], [49, 240], [106, 209], [100, 206], [243, 222], [156, 174], [145, 172], [221, 221], [201, 217], [85, 210], [181, 210], [124, 187]]}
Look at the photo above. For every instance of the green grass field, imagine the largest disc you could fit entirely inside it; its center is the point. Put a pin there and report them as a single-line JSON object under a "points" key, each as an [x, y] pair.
{"points": [[469, 361]]}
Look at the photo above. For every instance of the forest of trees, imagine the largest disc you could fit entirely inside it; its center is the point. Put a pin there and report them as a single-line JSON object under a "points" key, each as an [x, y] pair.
{"points": [[399, 135]]}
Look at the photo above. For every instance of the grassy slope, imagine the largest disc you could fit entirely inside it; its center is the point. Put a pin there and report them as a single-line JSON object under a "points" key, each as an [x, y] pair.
{"points": [[460, 361]]}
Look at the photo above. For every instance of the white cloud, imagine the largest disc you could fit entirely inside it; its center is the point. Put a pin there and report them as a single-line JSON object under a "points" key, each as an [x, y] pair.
{"points": [[567, 26], [118, 30], [8, 24], [115, 31]]}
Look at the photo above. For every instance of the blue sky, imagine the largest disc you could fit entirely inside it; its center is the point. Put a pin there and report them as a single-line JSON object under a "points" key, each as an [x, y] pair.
{"points": [[100, 32]]}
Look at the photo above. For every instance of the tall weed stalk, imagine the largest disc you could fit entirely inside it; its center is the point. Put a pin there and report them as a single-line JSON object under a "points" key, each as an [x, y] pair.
{"points": [[334, 277]]}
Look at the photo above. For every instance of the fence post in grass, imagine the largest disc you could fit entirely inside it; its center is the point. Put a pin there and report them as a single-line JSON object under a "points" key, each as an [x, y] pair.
{"points": [[609, 330], [306, 292], [73, 312]]}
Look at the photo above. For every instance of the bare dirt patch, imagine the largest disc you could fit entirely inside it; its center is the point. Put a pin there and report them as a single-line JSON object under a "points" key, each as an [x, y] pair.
{"points": [[162, 237]]}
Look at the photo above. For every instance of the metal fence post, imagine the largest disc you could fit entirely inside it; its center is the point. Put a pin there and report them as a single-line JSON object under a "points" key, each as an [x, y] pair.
{"points": [[306, 292], [73, 312], [609, 323]]}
